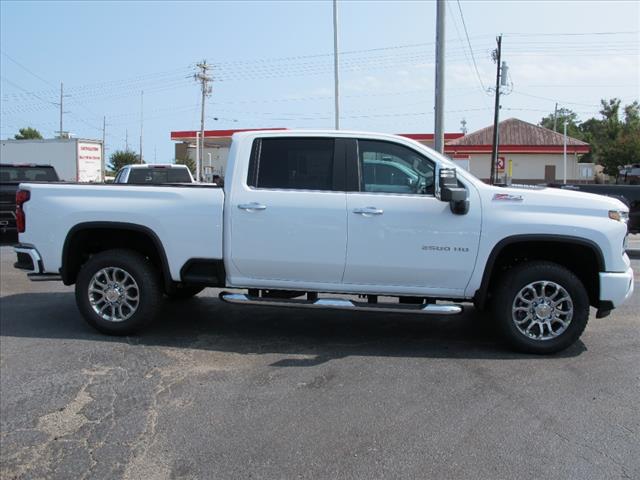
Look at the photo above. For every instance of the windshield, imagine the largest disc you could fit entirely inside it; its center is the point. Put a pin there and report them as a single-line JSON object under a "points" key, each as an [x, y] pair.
{"points": [[17, 174], [159, 175]]}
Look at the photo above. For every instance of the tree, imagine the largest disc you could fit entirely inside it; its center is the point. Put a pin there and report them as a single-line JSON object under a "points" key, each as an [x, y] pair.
{"points": [[614, 141], [120, 158], [191, 165], [632, 117], [624, 151], [27, 134], [564, 114]]}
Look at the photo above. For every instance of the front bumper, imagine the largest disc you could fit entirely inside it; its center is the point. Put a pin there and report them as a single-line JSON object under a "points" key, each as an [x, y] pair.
{"points": [[616, 288]]}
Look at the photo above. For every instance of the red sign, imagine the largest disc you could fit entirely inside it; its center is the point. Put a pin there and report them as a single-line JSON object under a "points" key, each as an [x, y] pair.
{"points": [[501, 164]]}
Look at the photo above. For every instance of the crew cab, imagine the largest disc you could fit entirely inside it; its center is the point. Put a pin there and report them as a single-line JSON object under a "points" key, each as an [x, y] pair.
{"points": [[303, 213], [154, 174]]}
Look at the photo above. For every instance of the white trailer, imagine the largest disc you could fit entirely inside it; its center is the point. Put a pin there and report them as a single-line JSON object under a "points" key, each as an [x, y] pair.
{"points": [[75, 159]]}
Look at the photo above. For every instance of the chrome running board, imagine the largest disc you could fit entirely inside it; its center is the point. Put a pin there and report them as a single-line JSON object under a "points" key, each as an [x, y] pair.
{"points": [[342, 304]]}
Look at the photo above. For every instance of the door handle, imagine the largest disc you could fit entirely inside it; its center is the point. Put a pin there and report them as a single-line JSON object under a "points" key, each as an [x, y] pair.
{"points": [[369, 211], [249, 207]]}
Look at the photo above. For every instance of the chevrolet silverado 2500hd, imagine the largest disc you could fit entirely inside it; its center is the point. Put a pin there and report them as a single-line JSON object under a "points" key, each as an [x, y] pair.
{"points": [[309, 212]]}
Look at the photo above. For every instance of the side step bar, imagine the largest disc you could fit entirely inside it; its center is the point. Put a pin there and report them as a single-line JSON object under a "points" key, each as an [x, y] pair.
{"points": [[342, 304]]}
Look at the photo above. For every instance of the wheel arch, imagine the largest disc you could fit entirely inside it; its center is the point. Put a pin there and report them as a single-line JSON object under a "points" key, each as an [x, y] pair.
{"points": [[72, 261], [541, 247]]}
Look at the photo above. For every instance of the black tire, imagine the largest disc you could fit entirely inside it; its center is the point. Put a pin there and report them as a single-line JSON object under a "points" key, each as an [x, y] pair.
{"points": [[516, 279], [147, 286], [184, 293]]}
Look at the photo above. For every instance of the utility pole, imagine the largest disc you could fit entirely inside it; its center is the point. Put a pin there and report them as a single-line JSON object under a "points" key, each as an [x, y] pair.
{"points": [[555, 117], [497, 53], [204, 80], [439, 101], [61, 105], [141, 122], [336, 92], [564, 154], [104, 150]]}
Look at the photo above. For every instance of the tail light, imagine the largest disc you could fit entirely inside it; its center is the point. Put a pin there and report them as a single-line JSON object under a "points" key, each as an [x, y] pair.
{"points": [[22, 196]]}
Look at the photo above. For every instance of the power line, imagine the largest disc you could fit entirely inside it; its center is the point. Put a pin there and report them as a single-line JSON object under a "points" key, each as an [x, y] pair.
{"points": [[562, 102], [31, 72], [564, 34], [26, 91], [27, 70], [473, 58]]}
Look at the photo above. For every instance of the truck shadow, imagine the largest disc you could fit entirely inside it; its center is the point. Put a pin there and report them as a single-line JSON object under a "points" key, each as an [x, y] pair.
{"points": [[318, 335]]}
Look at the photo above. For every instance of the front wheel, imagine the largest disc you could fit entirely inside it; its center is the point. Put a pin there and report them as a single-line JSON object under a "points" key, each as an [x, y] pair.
{"points": [[541, 307], [118, 292]]}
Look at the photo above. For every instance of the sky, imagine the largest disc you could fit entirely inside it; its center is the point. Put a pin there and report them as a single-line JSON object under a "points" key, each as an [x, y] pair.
{"points": [[272, 65]]}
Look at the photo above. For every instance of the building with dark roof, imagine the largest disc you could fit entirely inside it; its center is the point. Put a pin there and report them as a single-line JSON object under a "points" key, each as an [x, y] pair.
{"points": [[535, 153]]}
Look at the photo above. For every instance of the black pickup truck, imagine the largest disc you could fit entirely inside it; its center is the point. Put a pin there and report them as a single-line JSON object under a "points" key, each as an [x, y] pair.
{"points": [[11, 175], [628, 194]]}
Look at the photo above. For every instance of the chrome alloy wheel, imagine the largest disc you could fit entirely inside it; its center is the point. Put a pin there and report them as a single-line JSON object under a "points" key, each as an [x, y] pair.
{"points": [[113, 294], [542, 310]]}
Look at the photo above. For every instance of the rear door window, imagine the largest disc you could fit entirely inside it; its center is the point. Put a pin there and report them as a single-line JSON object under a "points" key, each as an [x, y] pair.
{"points": [[293, 164]]}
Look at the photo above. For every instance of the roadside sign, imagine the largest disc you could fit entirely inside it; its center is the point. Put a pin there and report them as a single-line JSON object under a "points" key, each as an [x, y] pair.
{"points": [[89, 162]]}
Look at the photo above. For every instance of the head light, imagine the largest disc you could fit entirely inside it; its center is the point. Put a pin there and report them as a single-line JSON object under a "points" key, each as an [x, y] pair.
{"points": [[619, 215]]}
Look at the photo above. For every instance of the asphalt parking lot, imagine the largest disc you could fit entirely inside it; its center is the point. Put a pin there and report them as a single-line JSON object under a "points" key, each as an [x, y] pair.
{"points": [[219, 391]]}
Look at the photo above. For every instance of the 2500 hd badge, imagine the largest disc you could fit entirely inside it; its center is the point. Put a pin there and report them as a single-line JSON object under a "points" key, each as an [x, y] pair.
{"points": [[439, 248]]}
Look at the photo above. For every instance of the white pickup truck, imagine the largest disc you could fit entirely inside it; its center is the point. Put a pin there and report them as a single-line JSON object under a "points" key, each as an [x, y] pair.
{"points": [[303, 213]]}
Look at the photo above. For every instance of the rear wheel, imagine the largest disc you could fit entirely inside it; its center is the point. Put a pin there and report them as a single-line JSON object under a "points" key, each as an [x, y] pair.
{"points": [[541, 307], [118, 292]]}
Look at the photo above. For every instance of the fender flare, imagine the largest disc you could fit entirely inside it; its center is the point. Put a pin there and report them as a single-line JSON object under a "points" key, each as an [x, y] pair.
{"points": [[480, 295], [67, 275]]}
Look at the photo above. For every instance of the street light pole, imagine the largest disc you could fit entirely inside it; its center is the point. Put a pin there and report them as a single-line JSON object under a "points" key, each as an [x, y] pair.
{"points": [[336, 92], [197, 156], [141, 122], [439, 84]]}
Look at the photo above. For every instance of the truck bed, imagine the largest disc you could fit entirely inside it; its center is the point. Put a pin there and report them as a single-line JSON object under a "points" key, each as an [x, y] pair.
{"points": [[185, 218]]}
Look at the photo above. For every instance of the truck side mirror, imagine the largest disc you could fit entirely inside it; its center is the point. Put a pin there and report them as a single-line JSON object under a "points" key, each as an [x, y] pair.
{"points": [[452, 193]]}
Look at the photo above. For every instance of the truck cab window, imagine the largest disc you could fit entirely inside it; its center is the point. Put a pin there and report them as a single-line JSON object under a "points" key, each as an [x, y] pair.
{"points": [[391, 168], [295, 164]]}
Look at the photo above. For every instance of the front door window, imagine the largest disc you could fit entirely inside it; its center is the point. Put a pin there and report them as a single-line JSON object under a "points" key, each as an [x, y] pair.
{"points": [[391, 168]]}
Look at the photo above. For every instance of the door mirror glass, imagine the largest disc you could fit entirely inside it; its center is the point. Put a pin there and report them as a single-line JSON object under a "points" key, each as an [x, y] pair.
{"points": [[452, 192]]}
